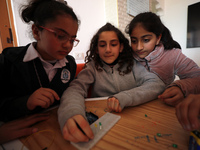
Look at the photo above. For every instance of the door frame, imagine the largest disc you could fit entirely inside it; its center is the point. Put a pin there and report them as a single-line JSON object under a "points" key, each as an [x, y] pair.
{"points": [[12, 24], [9, 24]]}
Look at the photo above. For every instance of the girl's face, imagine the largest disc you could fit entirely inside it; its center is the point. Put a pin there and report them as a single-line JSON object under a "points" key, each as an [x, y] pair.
{"points": [[109, 46], [143, 42], [51, 45]]}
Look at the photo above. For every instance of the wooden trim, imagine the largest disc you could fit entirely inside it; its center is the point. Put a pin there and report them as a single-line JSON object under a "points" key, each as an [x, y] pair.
{"points": [[1, 49], [10, 13]]}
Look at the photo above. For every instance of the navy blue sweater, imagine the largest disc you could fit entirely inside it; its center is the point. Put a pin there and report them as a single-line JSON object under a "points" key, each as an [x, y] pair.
{"points": [[18, 80]]}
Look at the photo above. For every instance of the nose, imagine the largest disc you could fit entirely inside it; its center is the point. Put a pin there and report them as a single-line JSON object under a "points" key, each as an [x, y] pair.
{"points": [[108, 49], [67, 44], [140, 46]]}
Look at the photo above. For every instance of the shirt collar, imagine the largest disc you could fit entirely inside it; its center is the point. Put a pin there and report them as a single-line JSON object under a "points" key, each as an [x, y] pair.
{"points": [[108, 68], [31, 53]]}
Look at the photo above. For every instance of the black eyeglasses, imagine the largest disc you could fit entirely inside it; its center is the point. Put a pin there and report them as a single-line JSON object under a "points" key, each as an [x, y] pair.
{"points": [[64, 37]]}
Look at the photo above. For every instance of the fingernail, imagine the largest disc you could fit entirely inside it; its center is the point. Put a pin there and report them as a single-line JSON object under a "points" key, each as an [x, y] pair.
{"points": [[188, 127], [86, 140], [35, 130], [193, 126]]}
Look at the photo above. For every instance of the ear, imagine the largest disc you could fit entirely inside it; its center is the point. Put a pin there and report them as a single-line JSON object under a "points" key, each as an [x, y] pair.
{"points": [[158, 39], [35, 32], [121, 47]]}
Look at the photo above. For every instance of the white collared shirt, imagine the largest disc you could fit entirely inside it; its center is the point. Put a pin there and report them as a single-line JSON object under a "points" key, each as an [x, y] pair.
{"points": [[50, 69]]}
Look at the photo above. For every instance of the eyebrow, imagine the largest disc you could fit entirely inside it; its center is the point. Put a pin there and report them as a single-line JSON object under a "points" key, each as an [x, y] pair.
{"points": [[110, 41], [65, 32], [143, 36]]}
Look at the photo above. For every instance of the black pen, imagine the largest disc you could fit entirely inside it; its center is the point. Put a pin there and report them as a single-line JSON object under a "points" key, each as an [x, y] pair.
{"points": [[80, 128]]}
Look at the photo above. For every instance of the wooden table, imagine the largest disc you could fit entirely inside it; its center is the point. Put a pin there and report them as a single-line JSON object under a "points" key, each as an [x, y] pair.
{"points": [[149, 126]]}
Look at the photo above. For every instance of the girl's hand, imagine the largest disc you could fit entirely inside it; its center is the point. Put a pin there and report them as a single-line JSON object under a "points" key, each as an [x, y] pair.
{"points": [[43, 97], [21, 127], [188, 112], [113, 104], [172, 96], [71, 131]]}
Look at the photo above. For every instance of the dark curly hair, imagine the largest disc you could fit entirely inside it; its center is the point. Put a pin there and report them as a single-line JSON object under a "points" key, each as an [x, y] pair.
{"points": [[126, 56]]}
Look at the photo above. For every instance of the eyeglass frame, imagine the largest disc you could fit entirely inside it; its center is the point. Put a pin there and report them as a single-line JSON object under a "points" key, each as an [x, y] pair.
{"points": [[56, 34]]}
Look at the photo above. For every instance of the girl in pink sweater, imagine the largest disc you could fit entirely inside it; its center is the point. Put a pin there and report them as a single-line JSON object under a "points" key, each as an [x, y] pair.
{"points": [[155, 49]]}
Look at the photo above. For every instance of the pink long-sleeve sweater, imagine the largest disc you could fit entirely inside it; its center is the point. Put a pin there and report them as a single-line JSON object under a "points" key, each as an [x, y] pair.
{"points": [[168, 63]]}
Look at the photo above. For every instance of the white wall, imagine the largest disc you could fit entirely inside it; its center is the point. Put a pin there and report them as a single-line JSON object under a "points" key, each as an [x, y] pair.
{"points": [[22, 29], [92, 16], [175, 18], [90, 12]]}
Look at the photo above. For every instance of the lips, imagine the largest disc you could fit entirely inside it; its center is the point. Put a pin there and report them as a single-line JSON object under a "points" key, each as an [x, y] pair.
{"points": [[140, 52], [63, 52], [109, 56]]}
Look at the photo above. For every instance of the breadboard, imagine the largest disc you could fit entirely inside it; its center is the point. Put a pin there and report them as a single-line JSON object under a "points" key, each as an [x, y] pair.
{"points": [[100, 127]]}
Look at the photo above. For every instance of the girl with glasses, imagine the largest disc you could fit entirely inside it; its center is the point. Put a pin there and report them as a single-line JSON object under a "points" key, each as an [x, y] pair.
{"points": [[112, 72], [33, 77]]}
